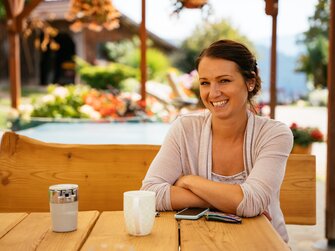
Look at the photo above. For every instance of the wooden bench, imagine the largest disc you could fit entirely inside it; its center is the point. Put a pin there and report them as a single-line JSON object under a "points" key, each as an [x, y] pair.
{"points": [[103, 172]]}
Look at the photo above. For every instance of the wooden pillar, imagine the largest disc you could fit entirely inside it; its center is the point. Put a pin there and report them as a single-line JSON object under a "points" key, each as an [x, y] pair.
{"points": [[13, 9], [143, 37], [273, 74], [16, 12], [271, 8], [14, 68], [330, 183]]}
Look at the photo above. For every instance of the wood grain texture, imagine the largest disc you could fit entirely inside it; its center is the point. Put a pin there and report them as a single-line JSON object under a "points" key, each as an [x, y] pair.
{"points": [[10, 220], [109, 233], [34, 233], [103, 172], [254, 234], [298, 191]]}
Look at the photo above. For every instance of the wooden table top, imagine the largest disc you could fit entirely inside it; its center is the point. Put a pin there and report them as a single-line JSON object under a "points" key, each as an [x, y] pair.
{"points": [[110, 233], [10, 220], [106, 231], [252, 234], [34, 233]]}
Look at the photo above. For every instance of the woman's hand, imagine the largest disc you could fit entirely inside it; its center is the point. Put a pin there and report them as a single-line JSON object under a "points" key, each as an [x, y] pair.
{"points": [[224, 197], [180, 181], [186, 180]]}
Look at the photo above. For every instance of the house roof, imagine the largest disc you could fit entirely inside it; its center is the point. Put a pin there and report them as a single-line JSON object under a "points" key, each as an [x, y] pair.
{"points": [[53, 10]]}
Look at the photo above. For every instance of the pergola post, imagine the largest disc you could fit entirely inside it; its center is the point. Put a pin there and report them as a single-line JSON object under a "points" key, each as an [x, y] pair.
{"points": [[271, 9], [14, 68], [329, 242], [330, 184], [16, 12], [143, 37]]}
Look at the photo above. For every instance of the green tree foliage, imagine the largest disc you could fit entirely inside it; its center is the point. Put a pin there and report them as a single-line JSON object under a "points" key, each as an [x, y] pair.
{"points": [[315, 60], [127, 52], [104, 77], [157, 62], [2, 11], [117, 50], [203, 36]]}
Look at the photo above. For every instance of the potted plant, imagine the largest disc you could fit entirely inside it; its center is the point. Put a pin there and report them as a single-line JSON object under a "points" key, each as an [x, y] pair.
{"points": [[190, 4], [304, 137]]}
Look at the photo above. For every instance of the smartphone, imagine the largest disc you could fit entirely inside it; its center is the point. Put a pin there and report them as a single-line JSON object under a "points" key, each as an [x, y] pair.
{"points": [[191, 213]]}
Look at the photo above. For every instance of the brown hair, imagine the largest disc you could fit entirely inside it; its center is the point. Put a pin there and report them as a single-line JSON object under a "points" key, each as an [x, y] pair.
{"points": [[238, 53]]}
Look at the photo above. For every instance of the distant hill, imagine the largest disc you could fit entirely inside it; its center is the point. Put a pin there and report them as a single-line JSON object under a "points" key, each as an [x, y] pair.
{"points": [[290, 84]]}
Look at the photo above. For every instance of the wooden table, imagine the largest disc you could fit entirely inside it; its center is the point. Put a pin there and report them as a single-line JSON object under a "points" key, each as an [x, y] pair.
{"points": [[106, 231], [110, 233], [253, 234], [34, 232]]}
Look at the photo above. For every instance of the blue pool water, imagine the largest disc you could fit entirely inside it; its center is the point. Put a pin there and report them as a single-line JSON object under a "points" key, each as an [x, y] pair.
{"points": [[99, 133]]}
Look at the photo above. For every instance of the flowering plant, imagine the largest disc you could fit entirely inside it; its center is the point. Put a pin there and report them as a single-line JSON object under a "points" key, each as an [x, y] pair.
{"points": [[83, 102], [178, 5], [305, 136]]}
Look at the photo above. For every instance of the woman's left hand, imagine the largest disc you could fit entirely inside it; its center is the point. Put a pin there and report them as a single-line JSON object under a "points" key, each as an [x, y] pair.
{"points": [[180, 181], [185, 181], [224, 197]]}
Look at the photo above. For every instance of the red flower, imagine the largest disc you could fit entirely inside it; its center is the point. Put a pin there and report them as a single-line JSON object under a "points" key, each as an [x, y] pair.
{"points": [[305, 135], [294, 126], [317, 135]]}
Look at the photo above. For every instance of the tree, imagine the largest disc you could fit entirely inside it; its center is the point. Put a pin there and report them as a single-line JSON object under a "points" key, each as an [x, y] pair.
{"points": [[2, 11], [202, 37], [315, 60]]}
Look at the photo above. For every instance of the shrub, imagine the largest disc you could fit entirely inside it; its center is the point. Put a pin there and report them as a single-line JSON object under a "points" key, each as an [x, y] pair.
{"points": [[60, 102], [158, 64], [101, 77]]}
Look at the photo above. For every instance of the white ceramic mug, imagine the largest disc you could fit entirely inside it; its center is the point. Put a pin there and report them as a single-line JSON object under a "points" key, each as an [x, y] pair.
{"points": [[139, 209]]}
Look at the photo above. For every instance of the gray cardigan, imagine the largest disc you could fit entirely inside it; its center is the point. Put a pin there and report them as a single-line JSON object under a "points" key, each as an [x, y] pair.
{"points": [[187, 149]]}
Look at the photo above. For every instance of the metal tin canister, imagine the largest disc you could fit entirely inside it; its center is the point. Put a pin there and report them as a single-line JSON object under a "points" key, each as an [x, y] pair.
{"points": [[63, 200]]}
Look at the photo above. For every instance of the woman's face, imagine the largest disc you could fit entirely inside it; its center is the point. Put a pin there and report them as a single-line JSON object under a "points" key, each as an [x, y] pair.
{"points": [[223, 89]]}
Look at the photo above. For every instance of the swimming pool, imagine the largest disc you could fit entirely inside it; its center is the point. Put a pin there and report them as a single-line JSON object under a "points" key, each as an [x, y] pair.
{"points": [[99, 133]]}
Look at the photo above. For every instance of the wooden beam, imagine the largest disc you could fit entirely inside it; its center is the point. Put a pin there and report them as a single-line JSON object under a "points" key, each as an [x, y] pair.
{"points": [[28, 9], [8, 8], [143, 37], [330, 183], [14, 68], [13, 9], [271, 9], [273, 73], [16, 12]]}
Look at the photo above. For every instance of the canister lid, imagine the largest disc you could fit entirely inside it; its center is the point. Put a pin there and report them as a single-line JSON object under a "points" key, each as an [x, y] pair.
{"points": [[63, 193]]}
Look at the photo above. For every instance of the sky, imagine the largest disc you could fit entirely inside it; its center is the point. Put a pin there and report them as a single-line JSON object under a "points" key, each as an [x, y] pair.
{"points": [[246, 15]]}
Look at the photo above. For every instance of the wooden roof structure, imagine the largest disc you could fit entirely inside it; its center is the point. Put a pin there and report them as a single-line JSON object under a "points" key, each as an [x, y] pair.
{"points": [[17, 11]]}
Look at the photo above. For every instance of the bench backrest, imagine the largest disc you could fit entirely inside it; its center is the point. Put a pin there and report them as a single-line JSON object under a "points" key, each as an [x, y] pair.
{"points": [[103, 172], [298, 191]]}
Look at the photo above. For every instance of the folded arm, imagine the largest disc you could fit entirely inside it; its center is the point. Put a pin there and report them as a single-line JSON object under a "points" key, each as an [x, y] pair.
{"points": [[207, 193], [181, 198]]}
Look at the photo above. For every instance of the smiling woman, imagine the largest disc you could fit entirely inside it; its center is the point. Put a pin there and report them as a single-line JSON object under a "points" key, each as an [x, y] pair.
{"points": [[225, 157], [227, 68]]}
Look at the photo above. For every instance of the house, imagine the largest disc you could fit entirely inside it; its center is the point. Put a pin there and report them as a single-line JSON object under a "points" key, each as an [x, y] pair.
{"points": [[57, 66]]}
